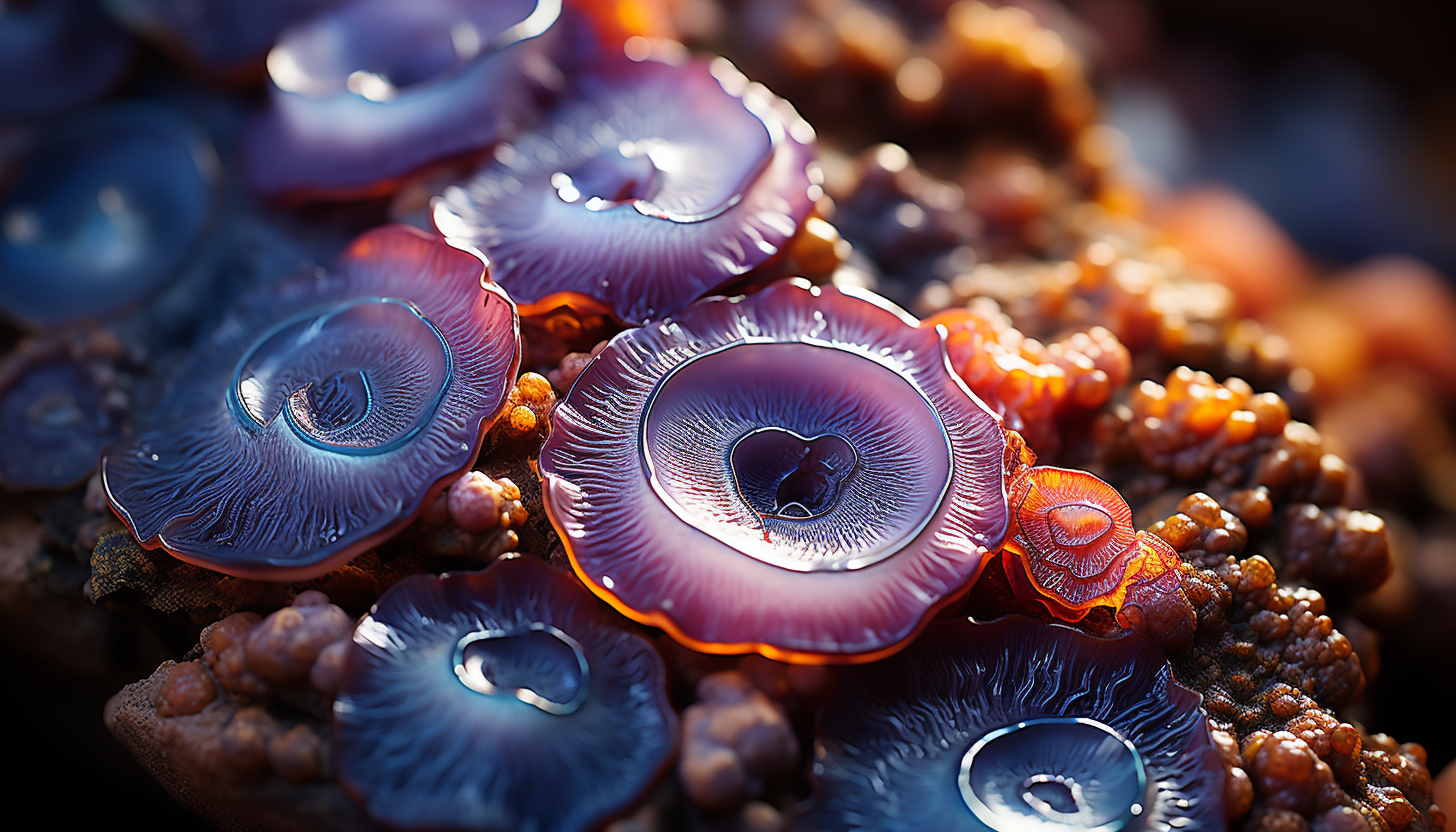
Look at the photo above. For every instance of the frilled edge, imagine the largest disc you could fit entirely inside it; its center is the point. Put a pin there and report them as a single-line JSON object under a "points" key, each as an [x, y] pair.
{"points": [[558, 601], [495, 302], [33, 357], [1198, 768], [931, 572], [689, 259], [294, 150]]}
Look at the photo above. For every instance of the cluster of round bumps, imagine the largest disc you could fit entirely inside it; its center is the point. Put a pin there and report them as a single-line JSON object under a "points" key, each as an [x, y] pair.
{"points": [[1271, 665]]}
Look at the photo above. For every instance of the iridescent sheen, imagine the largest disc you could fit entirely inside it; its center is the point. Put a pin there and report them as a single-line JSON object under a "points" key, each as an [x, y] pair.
{"points": [[796, 472], [106, 209], [507, 699], [1015, 726], [322, 412], [367, 93], [655, 185], [1074, 536], [57, 55]]}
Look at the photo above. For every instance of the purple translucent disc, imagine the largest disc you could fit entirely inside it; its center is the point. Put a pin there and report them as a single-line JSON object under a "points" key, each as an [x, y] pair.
{"points": [[57, 55], [105, 209], [657, 184], [322, 411], [507, 699], [812, 425], [795, 472], [373, 90], [1015, 726], [56, 416]]}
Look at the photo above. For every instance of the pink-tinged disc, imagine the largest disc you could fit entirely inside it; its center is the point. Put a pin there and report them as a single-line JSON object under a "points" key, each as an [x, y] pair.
{"points": [[322, 412], [655, 185], [796, 472], [374, 90]]}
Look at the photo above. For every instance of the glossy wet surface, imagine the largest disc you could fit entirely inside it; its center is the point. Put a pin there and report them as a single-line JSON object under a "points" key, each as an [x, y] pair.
{"points": [[805, 456], [1058, 773], [539, 665]]}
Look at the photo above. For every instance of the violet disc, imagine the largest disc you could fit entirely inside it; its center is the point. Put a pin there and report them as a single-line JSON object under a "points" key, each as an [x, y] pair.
{"points": [[57, 55], [1015, 726], [656, 185], [373, 90], [319, 415], [505, 700], [796, 472], [56, 416], [106, 208]]}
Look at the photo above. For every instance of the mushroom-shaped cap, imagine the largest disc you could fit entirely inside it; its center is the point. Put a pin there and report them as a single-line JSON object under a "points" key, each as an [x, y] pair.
{"points": [[57, 55], [57, 413], [1075, 537], [105, 209], [1015, 726], [221, 36], [373, 90], [505, 700], [797, 472], [656, 185], [320, 414]]}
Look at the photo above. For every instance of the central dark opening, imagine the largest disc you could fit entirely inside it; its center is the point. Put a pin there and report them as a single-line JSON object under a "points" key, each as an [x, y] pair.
{"points": [[782, 474], [535, 666], [609, 176], [1053, 793], [338, 401]]}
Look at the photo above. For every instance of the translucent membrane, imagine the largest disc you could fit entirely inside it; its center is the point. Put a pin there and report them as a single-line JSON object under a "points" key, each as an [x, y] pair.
{"points": [[503, 699], [105, 210], [296, 439], [653, 186], [1015, 726], [1075, 538], [540, 665], [820, 424], [361, 377], [371, 91], [795, 472], [783, 475], [1057, 773]]}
